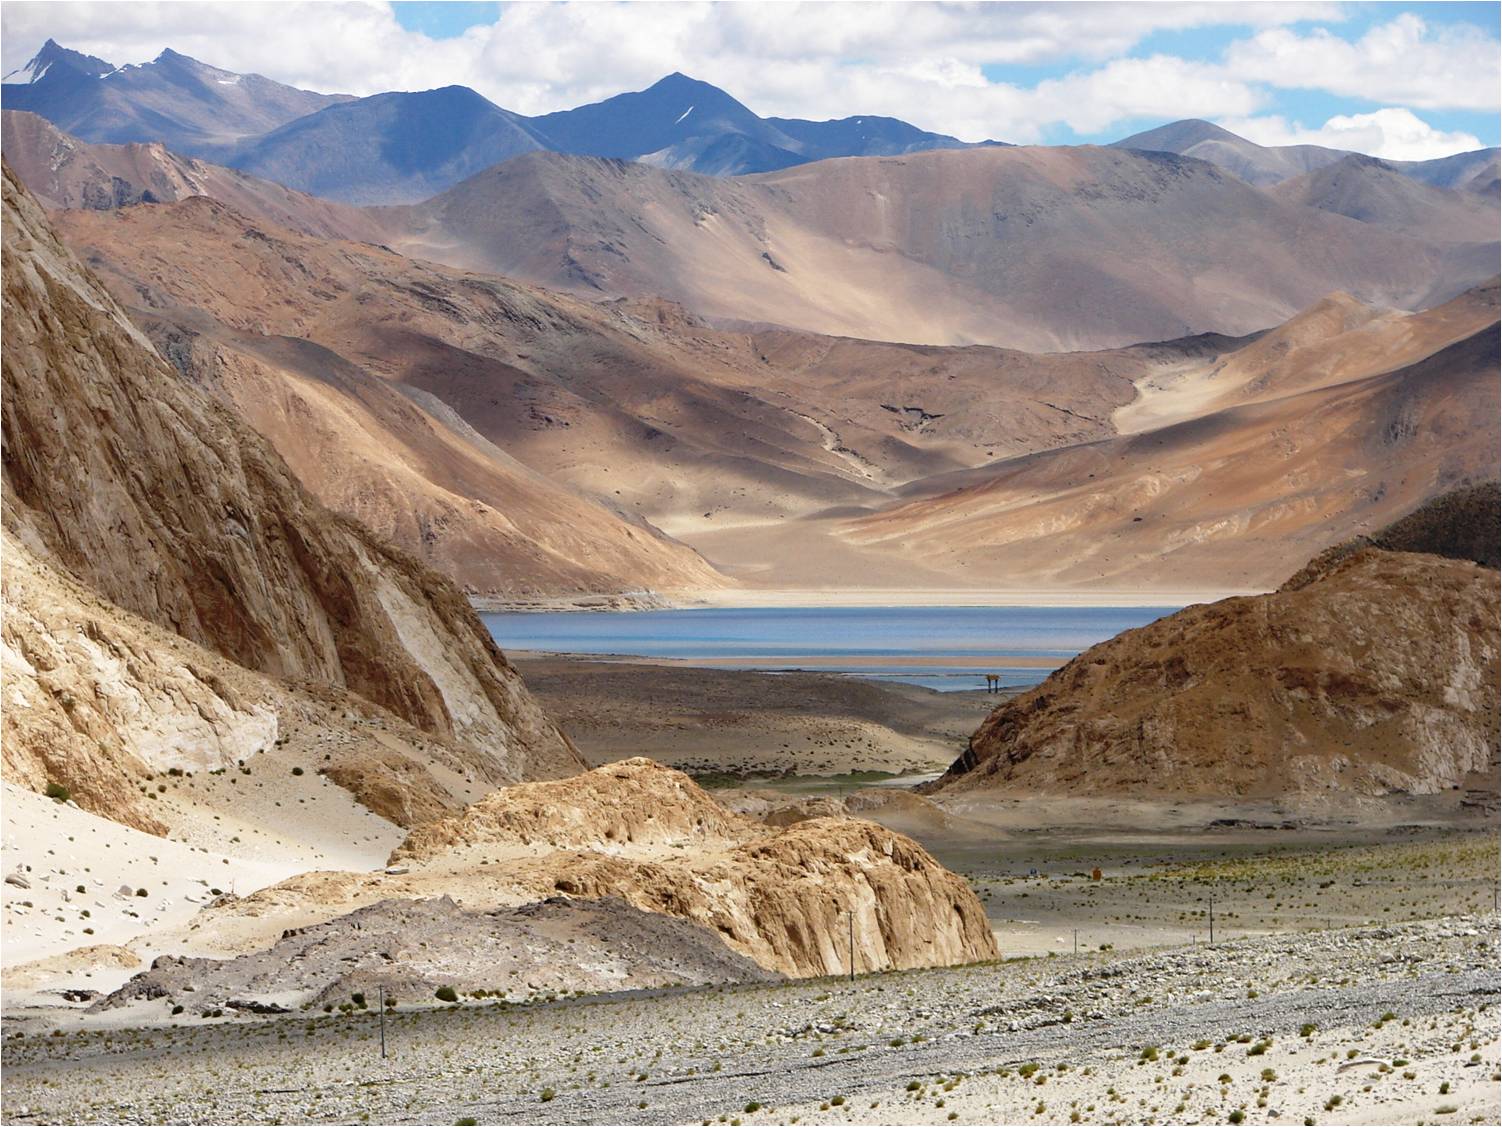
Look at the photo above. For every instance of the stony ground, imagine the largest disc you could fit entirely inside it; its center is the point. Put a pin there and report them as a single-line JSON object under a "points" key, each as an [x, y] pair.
{"points": [[1378, 1024], [735, 722]]}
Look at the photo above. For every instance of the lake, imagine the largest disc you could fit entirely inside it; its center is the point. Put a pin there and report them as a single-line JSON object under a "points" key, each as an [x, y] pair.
{"points": [[947, 648]]}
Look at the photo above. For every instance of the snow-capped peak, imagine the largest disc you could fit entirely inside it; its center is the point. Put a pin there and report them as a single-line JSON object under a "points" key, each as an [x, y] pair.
{"points": [[30, 73]]}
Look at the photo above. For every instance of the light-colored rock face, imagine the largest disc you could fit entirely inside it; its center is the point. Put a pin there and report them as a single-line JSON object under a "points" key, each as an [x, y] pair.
{"points": [[619, 808], [93, 700], [1378, 676], [159, 501], [648, 835]]}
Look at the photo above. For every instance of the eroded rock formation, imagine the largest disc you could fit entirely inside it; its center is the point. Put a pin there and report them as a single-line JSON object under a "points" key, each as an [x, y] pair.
{"points": [[648, 835]]}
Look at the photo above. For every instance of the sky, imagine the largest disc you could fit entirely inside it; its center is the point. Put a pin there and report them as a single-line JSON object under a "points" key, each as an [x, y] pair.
{"points": [[1396, 80]]}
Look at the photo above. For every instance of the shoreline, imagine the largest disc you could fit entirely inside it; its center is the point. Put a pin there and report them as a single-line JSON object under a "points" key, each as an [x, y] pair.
{"points": [[754, 598], [812, 663]]}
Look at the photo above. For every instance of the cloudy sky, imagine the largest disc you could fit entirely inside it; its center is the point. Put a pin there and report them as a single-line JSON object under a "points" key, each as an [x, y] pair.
{"points": [[1396, 80]]}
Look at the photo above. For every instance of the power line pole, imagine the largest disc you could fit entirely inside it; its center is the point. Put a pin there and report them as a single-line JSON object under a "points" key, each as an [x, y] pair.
{"points": [[381, 991], [1212, 917], [852, 944], [1076, 941]]}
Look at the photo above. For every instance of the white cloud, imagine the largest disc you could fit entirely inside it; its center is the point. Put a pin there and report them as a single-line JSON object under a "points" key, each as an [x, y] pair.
{"points": [[1393, 133], [921, 62], [1404, 61]]}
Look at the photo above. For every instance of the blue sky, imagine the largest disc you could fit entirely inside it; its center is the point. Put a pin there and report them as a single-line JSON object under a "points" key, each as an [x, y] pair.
{"points": [[1407, 81], [444, 19]]}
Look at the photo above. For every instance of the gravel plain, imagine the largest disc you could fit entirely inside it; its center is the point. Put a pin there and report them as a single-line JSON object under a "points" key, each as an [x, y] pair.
{"points": [[1373, 1024]]}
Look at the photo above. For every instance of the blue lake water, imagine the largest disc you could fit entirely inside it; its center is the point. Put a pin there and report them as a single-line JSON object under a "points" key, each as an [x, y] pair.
{"points": [[947, 648]]}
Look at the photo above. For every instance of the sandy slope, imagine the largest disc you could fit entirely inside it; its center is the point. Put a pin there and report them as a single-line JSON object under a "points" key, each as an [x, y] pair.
{"points": [[1246, 494]]}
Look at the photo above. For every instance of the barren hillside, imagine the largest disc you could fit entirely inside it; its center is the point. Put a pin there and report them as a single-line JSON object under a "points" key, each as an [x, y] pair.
{"points": [[64, 172], [1378, 675], [422, 387], [1035, 248], [192, 523], [1236, 498]]}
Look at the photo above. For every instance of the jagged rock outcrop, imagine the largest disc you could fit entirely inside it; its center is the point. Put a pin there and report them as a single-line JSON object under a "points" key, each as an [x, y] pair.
{"points": [[661, 844], [632, 803], [783, 898], [162, 502], [1378, 675]]}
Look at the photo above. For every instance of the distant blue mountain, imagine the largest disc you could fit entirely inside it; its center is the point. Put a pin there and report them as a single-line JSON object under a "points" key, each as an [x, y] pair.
{"points": [[189, 106], [389, 148], [680, 122], [672, 113], [402, 147], [865, 137]]}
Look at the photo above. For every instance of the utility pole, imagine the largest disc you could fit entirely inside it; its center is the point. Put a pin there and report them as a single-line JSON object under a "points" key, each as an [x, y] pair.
{"points": [[1076, 941], [852, 944], [381, 993], [1212, 917]]}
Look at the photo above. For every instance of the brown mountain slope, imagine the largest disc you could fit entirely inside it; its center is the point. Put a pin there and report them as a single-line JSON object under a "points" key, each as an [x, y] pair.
{"points": [[394, 458], [165, 504], [1230, 500], [1374, 192], [1378, 676], [1036, 248], [636, 403], [64, 172], [1335, 340]]}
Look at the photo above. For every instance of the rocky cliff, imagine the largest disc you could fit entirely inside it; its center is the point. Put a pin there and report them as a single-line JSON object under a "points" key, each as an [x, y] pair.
{"points": [[648, 835], [1378, 674], [162, 502]]}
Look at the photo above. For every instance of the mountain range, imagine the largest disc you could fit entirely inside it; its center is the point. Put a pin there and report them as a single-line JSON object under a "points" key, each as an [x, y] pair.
{"points": [[576, 375], [1264, 165], [401, 147], [1039, 248], [448, 409]]}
